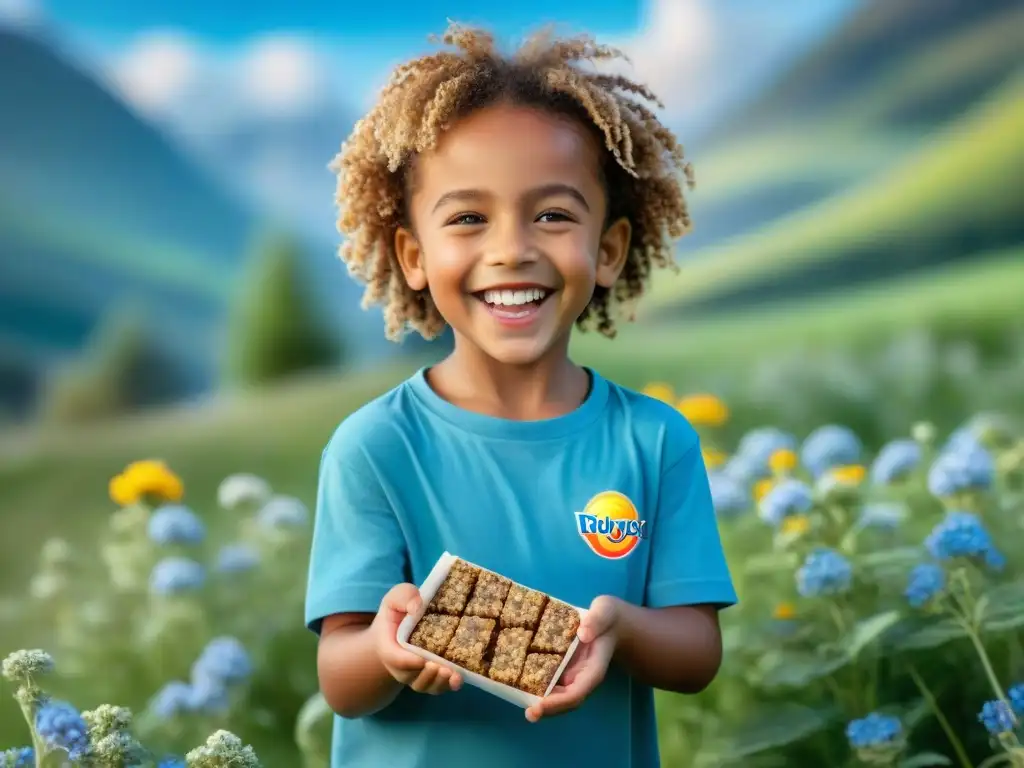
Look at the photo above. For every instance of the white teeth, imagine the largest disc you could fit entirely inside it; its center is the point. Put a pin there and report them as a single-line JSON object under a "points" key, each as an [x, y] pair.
{"points": [[512, 298]]}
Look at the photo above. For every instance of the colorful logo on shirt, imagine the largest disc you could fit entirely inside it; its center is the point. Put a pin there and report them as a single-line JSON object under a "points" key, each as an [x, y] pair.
{"points": [[611, 525]]}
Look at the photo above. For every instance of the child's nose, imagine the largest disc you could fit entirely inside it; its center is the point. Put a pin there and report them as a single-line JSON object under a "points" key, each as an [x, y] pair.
{"points": [[512, 247]]}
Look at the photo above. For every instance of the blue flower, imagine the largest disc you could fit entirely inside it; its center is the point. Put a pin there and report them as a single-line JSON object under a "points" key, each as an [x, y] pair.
{"points": [[224, 659], [743, 470], [19, 757], [283, 512], [728, 495], [875, 732], [962, 534], [209, 695], [174, 575], [788, 497], [829, 447], [172, 700], [895, 461], [171, 762], [966, 467], [1016, 697], [61, 726], [235, 558], [175, 524], [926, 581], [824, 572], [758, 445], [997, 717]]}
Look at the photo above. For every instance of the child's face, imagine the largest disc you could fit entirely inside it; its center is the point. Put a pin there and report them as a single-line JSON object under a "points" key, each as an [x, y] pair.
{"points": [[509, 214]]}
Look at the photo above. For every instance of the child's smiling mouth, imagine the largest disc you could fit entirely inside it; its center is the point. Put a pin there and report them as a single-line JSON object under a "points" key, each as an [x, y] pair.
{"points": [[514, 304]]}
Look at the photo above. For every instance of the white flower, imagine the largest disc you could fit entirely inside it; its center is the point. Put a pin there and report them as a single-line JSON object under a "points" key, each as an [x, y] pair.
{"points": [[243, 490]]}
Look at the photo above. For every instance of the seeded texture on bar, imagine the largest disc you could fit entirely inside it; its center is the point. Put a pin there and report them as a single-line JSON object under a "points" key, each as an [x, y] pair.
{"points": [[434, 632], [471, 642], [538, 670], [509, 655], [488, 596], [452, 595], [523, 608], [557, 628]]}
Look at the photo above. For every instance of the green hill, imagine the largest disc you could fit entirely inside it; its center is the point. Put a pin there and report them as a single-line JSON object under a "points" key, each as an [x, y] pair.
{"points": [[956, 196]]}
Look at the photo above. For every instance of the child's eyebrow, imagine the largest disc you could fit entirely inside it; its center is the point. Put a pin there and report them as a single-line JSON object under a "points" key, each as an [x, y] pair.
{"points": [[546, 190]]}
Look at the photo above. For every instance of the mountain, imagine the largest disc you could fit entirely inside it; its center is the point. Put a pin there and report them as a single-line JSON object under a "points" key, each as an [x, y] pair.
{"points": [[97, 207]]}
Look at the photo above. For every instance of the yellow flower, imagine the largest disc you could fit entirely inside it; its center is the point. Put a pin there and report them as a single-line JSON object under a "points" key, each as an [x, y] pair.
{"points": [[761, 487], [703, 410], [149, 479], [782, 461], [713, 458], [850, 475], [796, 525], [784, 612], [660, 391]]}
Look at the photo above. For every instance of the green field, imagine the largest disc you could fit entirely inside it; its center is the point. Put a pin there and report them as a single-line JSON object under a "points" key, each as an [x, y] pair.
{"points": [[960, 183]]}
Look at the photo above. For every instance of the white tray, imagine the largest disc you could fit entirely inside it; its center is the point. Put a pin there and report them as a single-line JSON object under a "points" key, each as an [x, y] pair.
{"points": [[512, 695]]}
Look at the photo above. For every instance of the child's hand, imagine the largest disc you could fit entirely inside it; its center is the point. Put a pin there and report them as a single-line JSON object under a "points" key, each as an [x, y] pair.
{"points": [[407, 668], [598, 635]]}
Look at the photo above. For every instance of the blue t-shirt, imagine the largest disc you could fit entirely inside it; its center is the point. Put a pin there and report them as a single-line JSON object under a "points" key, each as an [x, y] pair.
{"points": [[410, 475]]}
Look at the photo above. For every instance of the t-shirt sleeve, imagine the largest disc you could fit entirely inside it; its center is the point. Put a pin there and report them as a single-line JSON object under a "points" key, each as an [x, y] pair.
{"points": [[358, 551], [687, 562]]}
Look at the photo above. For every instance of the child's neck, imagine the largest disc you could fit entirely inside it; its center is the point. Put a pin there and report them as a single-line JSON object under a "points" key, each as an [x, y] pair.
{"points": [[549, 387]]}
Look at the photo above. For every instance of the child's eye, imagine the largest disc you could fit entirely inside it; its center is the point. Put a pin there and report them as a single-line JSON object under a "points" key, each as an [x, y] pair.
{"points": [[466, 219], [551, 217]]}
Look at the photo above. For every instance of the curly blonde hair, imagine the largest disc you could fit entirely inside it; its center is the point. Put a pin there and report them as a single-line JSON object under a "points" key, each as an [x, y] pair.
{"points": [[643, 168]]}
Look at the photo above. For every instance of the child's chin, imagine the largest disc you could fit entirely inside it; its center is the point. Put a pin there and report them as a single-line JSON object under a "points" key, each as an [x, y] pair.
{"points": [[522, 351]]}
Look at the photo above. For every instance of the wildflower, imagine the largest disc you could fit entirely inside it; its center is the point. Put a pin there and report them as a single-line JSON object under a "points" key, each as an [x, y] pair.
{"points": [[1016, 697], [997, 717], [660, 391], [703, 410], [926, 581], [713, 458], [923, 432], [896, 460], [759, 444], [728, 496], [208, 694], [796, 525], [886, 515], [173, 575], [56, 553], [830, 446], [824, 572], [243, 490], [175, 524], [24, 665], [221, 750], [171, 762], [761, 488], [964, 468], [789, 497], [224, 659], [784, 612], [19, 757], [876, 738], [782, 461], [283, 512], [142, 480], [106, 719], [743, 468], [173, 699], [235, 558], [118, 748], [60, 726], [962, 534]]}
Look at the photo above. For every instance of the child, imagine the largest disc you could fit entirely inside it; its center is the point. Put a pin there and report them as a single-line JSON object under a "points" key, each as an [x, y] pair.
{"points": [[512, 199]]}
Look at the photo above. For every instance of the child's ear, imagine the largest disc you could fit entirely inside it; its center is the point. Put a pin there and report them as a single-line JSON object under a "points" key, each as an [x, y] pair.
{"points": [[410, 259], [612, 253]]}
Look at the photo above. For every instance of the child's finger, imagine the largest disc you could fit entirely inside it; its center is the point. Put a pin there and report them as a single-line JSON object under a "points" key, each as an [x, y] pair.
{"points": [[425, 679], [441, 682]]}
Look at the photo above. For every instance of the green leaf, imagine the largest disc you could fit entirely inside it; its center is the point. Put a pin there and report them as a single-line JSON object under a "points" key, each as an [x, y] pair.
{"points": [[889, 562], [770, 562], [867, 631], [795, 669], [918, 633], [1005, 607], [924, 759], [774, 726]]}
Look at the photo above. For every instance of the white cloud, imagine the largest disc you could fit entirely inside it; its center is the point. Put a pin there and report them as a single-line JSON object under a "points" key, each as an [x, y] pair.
{"points": [[157, 70], [281, 75]]}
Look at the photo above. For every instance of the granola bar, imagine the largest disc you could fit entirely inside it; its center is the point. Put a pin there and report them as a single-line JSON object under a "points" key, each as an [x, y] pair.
{"points": [[509, 655], [488, 596], [434, 632], [452, 595], [538, 670], [522, 608], [557, 628], [470, 644]]}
